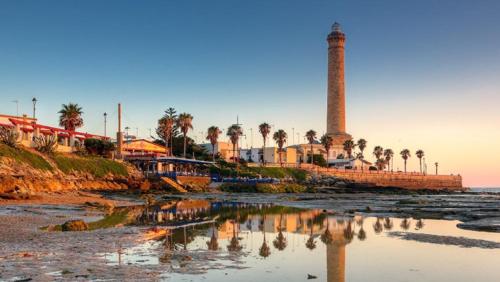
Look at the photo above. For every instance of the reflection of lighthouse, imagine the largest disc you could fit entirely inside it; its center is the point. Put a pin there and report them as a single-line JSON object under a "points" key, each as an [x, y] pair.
{"points": [[335, 253]]}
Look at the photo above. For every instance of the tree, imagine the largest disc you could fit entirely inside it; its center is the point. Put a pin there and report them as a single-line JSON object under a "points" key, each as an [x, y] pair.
{"points": [[378, 152], [405, 154], [311, 137], [71, 116], [377, 226], [185, 123], [280, 138], [420, 154], [349, 145], [361, 145], [234, 132], [405, 223], [213, 135], [264, 129], [165, 130], [380, 163], [388, 154], [327, 142], [234, 245], [280, 242], [361, 157]]}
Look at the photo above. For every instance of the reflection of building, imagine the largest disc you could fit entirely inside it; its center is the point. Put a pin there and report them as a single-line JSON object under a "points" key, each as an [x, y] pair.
{"points": [[335, 252]]}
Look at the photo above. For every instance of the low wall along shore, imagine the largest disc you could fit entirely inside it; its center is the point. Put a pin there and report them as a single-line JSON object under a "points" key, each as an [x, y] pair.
{"points": [[402, 180]]}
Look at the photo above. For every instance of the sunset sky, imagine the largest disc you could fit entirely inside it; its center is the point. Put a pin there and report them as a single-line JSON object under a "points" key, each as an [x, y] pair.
{"points": [[419, 74]]}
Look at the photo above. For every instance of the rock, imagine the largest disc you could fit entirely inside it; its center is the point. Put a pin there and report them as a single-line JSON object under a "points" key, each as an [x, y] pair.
{"points": [[310, 276], [145, 185], [75, 225]]}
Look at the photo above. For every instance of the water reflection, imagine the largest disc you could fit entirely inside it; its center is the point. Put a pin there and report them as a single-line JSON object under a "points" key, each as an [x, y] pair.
{"points": [[220, 226]]}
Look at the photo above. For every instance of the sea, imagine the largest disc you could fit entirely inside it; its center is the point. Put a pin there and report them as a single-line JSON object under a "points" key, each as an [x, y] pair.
{"points": [[487, 190]]}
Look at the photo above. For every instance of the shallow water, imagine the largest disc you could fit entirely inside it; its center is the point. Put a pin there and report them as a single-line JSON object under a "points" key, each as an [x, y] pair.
{"points": [[214, 241]]}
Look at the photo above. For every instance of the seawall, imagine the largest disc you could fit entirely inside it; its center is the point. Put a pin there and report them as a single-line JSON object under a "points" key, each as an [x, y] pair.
{"points": [[401, 180]]}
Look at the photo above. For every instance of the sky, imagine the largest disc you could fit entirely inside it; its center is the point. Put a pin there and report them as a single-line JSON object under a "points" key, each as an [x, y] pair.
{"points": [[419, 74]]}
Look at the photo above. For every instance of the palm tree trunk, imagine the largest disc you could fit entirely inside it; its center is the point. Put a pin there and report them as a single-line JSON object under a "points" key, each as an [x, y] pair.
{"points": [[263, 149], [312, 155], [184, 145], [213, 152], [234, 152], [327, 157], [420, 160], [405, 166]]}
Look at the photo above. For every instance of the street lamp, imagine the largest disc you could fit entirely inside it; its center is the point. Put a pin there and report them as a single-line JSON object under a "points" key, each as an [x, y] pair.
{"points": [[436, 164], [105, 121], [34, 100]]}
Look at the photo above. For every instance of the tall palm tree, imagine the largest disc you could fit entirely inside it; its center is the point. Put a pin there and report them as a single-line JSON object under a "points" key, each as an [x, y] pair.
{"points": [[349, 145], [185, 123], [280, 138], [213, 245], [71, 116], [234, 132], [377, 226], [171, 113], [264, 250], [311, 243], [388, 223], [361, 145], [388, 154], [234, 245], [405, 223], [311, 137], [327, 142], [378, 151], [405, 154], [264, 129], [420, 154], [213, 135]]}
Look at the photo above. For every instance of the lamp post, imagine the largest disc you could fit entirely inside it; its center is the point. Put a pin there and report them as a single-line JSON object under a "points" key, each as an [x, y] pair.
{"points": [[34, 100], [436, 164], [105, 121]]}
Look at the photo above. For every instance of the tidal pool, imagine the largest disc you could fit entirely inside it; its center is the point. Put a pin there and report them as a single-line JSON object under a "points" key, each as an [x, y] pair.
{"points": [[199, 240]]}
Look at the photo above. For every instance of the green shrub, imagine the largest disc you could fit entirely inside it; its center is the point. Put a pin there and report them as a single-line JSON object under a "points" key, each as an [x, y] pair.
{"points": [[263, 188], [46, 144], [23, 156], [8, 136], [98, 167], [99, 147], [318, 160]]}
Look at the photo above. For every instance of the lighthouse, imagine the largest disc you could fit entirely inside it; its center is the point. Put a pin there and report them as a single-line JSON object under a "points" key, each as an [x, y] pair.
{"points": [[335, 119]]}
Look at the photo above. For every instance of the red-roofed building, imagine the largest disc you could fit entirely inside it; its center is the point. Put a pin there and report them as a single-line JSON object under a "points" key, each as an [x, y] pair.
{"points": [[29, 128]]}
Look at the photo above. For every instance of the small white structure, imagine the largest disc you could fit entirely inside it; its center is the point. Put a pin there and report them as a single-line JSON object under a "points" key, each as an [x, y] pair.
{"points": [[353, 163]]}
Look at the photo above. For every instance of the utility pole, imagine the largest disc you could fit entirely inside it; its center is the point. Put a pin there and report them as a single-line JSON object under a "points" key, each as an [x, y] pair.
{"points": [[251, 137], [293, 135], [34, 100], [17, 107], [105, 121], [137, 133]]}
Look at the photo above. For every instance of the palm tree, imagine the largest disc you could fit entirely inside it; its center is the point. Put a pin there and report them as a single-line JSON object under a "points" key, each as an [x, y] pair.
{"points": [[405, 154], [380, 163], [264, 129], [378, 152], [264, 250], [361, 234], [213, 135], [213, 245], [327, 237], [420, 224], [349, 232], [311, 137], [388, 154], [420, 154], [327, 142], [185, 123], [348, 147], [361, 145], [171, 113], [361, 157], [165, 131], [280, 138], [234, 132], [71, 116]]}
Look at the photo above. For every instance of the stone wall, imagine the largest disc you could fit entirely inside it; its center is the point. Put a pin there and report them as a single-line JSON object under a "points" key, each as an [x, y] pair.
{"points": [[402, 180]]}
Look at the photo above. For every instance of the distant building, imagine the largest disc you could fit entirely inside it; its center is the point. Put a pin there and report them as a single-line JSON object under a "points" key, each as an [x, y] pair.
{"points": [[352, 163], [28, 128], [223, 149]]}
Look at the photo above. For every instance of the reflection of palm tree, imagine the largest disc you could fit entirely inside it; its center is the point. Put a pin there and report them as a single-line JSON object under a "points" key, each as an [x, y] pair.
{"points": [[361, 234], [280, 241], [420, 224], [326, 237], [406, 223], [213, 245], [388, 224], [311, 243], [234, 245], [377, 227], [264, 250], [349, 232], [169, 247]]}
